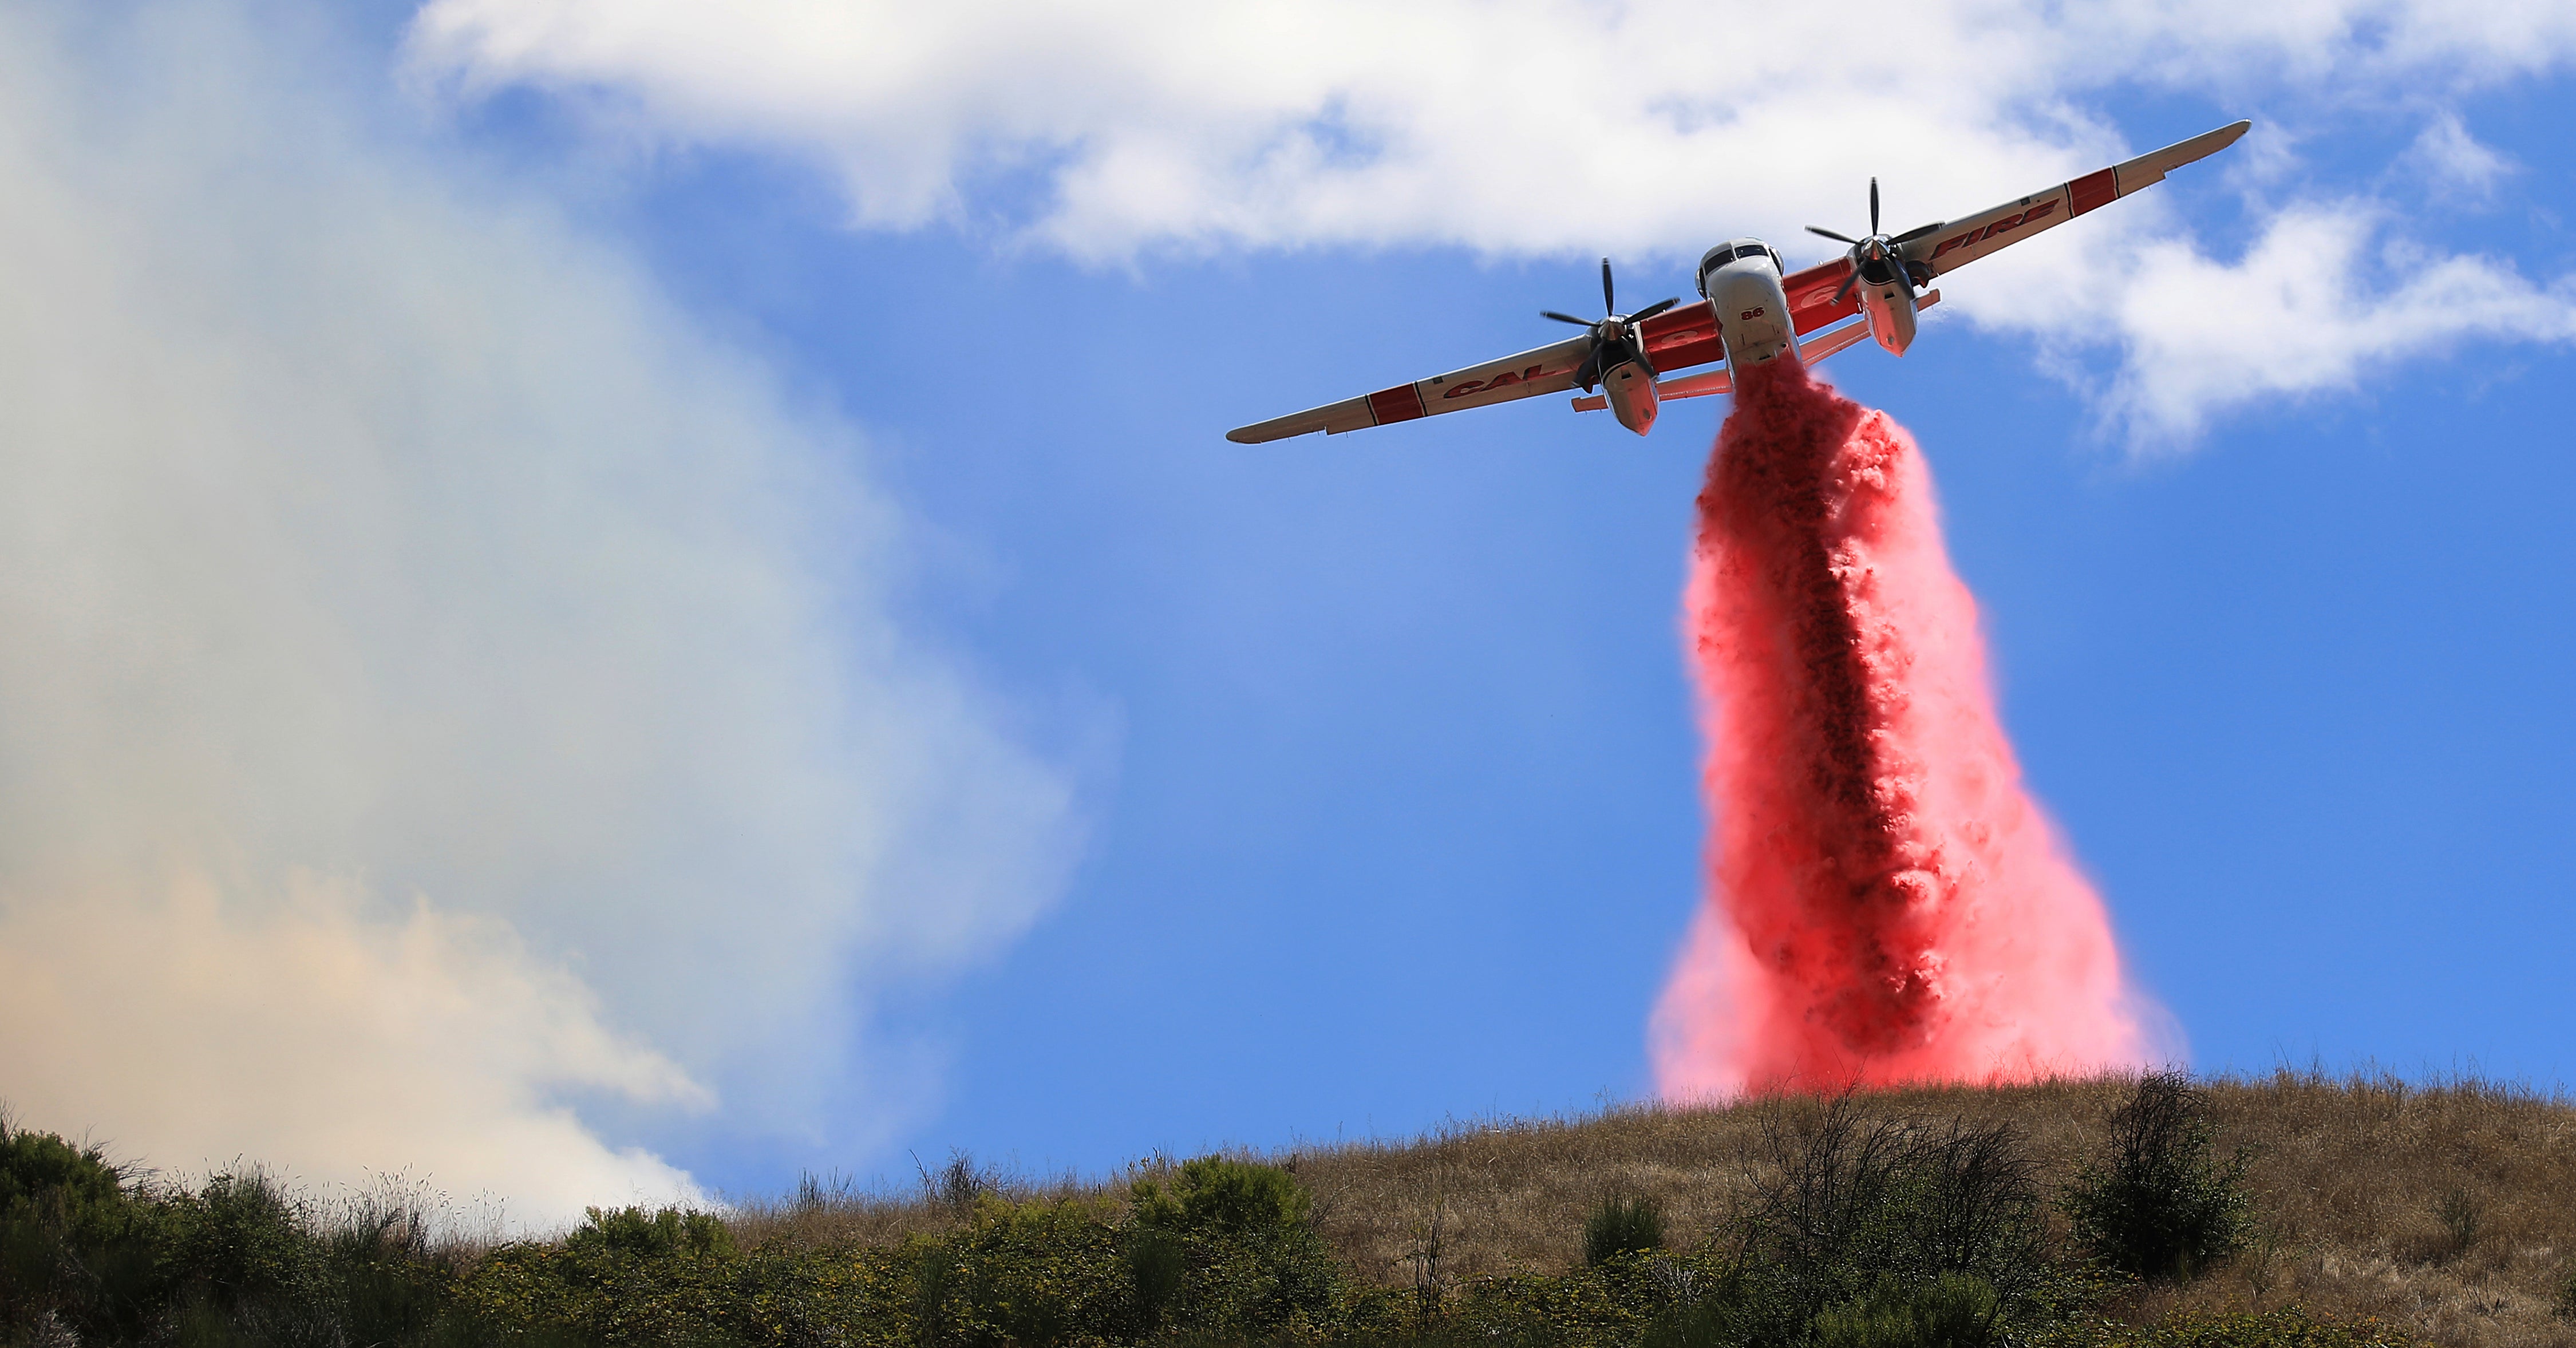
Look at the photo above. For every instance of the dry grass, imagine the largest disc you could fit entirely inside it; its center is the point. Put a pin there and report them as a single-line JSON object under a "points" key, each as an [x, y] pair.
{"points": [[2448, 1211], [831, 1214]]}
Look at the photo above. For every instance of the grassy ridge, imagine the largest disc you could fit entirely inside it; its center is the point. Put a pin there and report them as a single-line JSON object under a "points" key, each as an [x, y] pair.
{"points": [[2448, 1210], [2292, 1212]]}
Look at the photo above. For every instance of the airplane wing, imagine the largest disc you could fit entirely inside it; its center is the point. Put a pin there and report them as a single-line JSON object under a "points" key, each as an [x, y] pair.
{"points": [[1811, 295], [1960, 242], [1954, 244], [1546, 369], [1678, 337], [1681, 337]]}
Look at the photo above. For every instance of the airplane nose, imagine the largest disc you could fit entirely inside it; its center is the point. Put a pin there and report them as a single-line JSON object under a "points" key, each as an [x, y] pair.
{"points": [[1752, 313], [1735, 291]]}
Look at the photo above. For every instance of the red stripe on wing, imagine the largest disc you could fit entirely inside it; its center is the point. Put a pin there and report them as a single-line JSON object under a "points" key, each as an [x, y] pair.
{"points": [[2091, 190], [1401, 403]]}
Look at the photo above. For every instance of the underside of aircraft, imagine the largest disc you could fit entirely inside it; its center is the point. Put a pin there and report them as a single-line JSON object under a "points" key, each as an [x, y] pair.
{"points": [[1751, 311]]}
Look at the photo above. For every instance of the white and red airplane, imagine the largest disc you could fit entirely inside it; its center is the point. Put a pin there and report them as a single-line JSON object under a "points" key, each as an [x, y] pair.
{"points": [[1750, 314]]}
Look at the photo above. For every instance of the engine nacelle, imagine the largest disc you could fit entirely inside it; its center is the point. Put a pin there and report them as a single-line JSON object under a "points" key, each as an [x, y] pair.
{"points": [[1887, 301], [1630, 387]]}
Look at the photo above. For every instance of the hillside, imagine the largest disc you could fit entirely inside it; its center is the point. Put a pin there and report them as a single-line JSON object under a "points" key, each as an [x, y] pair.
{"points": [[2290, 1212], [2447, 1211]]}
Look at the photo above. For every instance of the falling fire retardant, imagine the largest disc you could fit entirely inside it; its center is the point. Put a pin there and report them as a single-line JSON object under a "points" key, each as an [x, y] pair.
{"points": [[1885, 901]]}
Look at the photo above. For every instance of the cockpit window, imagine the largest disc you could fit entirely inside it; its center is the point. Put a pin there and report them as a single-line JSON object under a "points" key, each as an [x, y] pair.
{"points": [[1729, 252]]}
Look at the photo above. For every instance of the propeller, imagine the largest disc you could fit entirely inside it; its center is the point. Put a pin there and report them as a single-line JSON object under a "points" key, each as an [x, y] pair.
{"points": [[1612, 335], [1879, 248]]}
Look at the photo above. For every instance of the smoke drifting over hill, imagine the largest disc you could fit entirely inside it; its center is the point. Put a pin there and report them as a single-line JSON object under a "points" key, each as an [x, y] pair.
{"points": [[452, 717], [1886, 903]]}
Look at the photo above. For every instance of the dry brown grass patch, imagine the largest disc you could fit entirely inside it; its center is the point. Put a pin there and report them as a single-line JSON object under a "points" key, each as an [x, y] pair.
{"points": [[2447, 1210]]}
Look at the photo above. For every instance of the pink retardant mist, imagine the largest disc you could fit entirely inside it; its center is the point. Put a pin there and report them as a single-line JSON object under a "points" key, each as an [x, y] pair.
{"points": [[1886, 904]]}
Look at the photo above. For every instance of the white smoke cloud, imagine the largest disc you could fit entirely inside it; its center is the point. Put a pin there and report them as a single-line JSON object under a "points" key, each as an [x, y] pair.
{"points": [[1507, 127], [448, 709], [215, 1028]]}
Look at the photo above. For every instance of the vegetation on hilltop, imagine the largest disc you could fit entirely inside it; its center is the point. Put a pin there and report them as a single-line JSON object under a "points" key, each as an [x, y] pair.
{"points": [[2101, 1214]]}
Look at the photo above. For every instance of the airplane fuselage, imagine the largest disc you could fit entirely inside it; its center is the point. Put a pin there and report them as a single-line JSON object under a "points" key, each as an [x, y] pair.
{"points": [[1741, 279]]}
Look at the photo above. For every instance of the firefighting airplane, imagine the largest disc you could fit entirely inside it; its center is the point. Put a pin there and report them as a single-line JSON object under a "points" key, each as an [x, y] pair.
{"points": [[1751, 313]]}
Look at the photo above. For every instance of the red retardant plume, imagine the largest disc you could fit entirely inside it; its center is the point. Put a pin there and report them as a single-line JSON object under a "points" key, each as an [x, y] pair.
{"points": [[1886, 903]]}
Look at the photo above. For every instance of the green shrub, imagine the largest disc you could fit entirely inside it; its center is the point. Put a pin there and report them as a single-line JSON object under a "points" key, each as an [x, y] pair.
{"points": [[1955, 1310], [1033, 1275], [2161, 1206], [242, 1239], [1246, 1233], [2284, 1327], [1223, 1196], [2567, 1298], [42, 1169], [1225, 1251], [249, 1263], [383, 1272], [1710, 1322], [1620, 1225], [1612, 1304], [76, 1247], [236, 1261], [1158, 1263], [668, 1233]]}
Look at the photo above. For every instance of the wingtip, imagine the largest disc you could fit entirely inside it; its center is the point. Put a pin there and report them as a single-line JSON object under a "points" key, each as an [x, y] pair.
{"points": [[1241, 435], [2183, 152]]}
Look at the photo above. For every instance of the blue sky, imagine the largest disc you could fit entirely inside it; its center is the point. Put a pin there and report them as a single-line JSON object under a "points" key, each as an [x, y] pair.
{"points": [[1223, 795]]}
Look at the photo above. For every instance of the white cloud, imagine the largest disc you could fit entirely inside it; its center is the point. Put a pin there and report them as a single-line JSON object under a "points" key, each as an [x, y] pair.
{"points": [[440, 689], [2311, 307], [2329, 297], [1500, 126], [2452, 163]]}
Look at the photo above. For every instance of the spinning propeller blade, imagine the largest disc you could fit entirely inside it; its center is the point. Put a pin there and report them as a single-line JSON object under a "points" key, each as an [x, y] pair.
{"points": [[1613, 331], [1877, 247]]}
